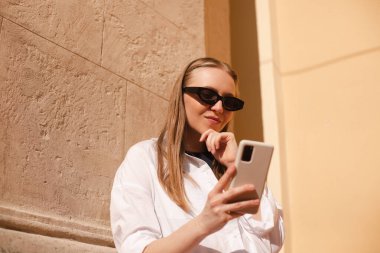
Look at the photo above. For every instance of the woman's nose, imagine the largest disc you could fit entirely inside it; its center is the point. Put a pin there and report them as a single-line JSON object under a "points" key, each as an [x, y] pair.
{"points": [[218, 106]]}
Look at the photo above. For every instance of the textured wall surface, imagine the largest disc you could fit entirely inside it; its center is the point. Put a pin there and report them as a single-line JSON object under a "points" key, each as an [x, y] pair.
{"points": [[80, 82], [130, 26], [16, 242], [74, 25]]}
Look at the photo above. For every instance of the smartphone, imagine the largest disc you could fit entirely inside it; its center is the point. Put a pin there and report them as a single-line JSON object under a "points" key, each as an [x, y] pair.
{"points": [[252, 164]]}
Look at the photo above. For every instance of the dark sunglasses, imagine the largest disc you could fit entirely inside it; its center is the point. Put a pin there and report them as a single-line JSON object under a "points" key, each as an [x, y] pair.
{"points": [[211, 97]]}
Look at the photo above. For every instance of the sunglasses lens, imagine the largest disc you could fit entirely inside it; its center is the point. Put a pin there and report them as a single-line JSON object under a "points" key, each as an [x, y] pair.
{"points": [[232, 104], [208, 96]]}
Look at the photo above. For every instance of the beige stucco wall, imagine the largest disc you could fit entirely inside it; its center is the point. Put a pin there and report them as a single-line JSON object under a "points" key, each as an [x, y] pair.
{"points": [[217, 29], [80, 82], [320, 78], [244, 59]]}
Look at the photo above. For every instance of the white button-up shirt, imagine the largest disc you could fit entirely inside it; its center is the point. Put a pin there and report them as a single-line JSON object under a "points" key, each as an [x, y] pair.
{"points": [[142, 212]]}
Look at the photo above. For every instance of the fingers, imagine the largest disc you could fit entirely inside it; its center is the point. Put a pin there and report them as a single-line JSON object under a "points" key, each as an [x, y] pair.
{"points": [[241, 207], [205, 135], [224, 181], [214, 139], [208, 137], [217, 141], [234, 209], [240, 200], [222, 206], [240, 193], [235, 194]]}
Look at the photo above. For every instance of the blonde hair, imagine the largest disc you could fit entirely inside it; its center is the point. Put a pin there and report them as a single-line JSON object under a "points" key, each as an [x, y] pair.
{"points": [[170, 148]]}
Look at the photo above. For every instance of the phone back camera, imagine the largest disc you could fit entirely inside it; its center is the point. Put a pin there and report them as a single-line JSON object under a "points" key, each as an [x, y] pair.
{"points": [[247, 153]]}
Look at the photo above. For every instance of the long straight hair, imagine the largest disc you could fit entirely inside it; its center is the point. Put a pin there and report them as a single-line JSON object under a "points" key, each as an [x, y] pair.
{"points": [[170, 147]]}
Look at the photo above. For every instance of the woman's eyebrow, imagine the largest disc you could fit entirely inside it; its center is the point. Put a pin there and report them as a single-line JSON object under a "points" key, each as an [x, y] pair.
{"points": [[228, 95]]}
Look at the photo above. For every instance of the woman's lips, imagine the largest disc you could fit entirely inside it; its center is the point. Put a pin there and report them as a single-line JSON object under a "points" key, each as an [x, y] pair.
{"points": [[213, 120]]}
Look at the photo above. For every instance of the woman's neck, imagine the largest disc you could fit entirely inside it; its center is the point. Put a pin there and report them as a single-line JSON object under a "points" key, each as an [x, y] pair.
{"points": [[191, 142]]}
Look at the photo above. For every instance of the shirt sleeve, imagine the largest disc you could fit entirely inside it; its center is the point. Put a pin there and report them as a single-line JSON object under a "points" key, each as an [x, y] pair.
{"points": [[133, 220], [271, 225]]}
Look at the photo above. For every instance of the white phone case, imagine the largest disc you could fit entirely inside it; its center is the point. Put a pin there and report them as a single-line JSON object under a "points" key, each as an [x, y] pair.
{"points": [[255, 170]]}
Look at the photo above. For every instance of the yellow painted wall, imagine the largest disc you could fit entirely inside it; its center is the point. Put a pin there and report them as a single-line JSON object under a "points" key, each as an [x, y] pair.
{"points": [[245, 60], [324, 71]]}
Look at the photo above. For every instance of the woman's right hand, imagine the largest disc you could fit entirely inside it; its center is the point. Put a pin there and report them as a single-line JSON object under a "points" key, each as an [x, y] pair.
{"points": [[221, 205]]}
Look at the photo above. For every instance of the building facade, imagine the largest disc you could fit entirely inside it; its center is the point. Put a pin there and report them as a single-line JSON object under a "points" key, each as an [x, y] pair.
{"points": [[82, 81]]}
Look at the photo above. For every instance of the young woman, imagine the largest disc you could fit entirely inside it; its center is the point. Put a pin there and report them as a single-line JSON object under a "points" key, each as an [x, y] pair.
{"points": [[172, 194]]}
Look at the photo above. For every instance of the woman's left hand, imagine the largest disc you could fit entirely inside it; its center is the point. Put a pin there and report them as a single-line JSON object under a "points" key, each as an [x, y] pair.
{"points": [[222, 146]]}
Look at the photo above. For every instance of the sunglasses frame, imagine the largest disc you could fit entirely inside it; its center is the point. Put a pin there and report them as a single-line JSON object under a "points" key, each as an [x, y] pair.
{"points": [[198, 91]]}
